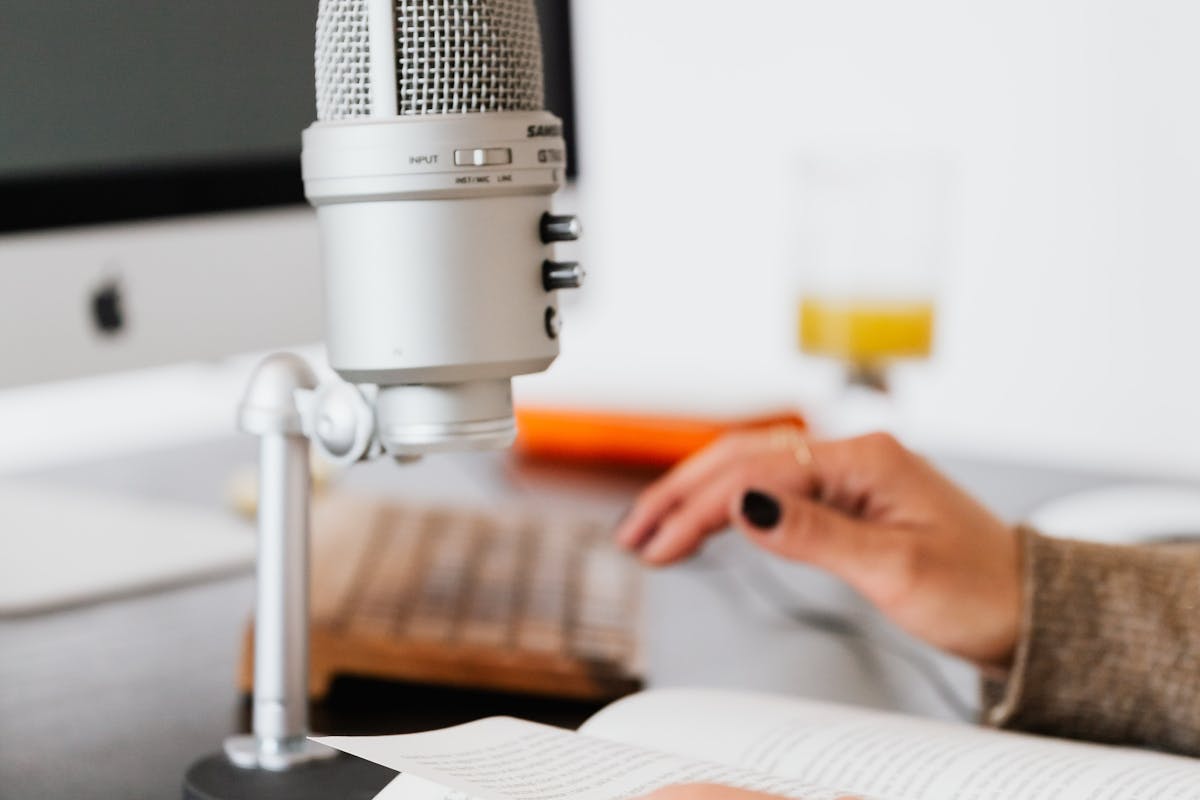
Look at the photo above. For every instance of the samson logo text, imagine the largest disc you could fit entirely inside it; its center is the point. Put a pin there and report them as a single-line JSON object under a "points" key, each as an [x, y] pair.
{"points": [[542, 131]]}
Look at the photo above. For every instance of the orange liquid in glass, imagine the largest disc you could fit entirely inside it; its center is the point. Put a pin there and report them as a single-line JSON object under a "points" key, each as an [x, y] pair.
{"points": [[866, 331]]}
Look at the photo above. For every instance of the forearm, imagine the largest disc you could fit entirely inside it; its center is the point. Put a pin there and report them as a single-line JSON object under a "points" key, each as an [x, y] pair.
{"points": [[1110, 646]]}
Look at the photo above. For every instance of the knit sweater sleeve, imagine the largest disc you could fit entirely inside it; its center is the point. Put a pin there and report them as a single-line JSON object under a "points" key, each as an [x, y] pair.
{"points": [[1110, 646]]}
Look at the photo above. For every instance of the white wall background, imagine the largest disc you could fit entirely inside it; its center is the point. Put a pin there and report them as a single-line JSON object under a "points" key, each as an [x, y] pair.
{"points": [[1069, 326]]}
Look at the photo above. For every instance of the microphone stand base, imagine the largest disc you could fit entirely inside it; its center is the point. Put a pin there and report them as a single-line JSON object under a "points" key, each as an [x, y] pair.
{"points": [[340, 778]]}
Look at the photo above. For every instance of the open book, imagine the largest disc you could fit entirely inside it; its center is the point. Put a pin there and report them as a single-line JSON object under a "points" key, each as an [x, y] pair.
{"points": [[780, 745]]}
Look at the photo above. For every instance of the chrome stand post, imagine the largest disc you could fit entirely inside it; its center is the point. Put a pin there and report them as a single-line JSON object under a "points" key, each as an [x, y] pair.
{"points": [[280, 739], [278, 759]]}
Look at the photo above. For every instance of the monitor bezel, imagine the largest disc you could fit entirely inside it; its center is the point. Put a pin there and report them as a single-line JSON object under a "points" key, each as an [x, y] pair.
{"points": [[72, 199]]}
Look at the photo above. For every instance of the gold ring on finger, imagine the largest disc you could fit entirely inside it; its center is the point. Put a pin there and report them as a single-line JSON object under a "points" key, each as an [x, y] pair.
{"points": [[786, 437]]}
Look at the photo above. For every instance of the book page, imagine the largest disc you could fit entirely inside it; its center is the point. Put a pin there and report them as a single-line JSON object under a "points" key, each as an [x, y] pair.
{"points": [[888, 755], [508, 759]]}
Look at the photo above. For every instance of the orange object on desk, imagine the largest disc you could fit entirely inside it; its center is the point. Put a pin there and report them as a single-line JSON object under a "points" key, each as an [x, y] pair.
{"points": [[644, 440]]}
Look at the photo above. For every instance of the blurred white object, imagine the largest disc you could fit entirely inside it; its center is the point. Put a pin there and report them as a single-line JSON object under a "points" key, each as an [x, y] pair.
{"points": [[1123, 514], [65, 547]]}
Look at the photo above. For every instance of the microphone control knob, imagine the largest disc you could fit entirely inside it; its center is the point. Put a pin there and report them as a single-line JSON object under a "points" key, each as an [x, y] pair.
{"points": [[561, 275], [560, 228]]}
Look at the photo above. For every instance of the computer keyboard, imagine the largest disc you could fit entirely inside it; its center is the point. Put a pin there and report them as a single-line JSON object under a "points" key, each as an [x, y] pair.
{"points": [[500, 600]]}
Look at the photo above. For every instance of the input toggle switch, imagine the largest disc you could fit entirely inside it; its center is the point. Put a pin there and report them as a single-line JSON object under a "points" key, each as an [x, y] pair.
{"points": [[561, 275], [483, 157], [560, 228]]}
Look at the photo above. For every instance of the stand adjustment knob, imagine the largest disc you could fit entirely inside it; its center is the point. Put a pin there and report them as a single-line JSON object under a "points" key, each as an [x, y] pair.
{"points": [[341, 423], [560, 228], [561, 275]]}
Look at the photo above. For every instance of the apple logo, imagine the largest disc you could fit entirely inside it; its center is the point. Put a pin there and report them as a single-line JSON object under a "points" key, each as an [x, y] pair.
{"points": [[107, 313]]}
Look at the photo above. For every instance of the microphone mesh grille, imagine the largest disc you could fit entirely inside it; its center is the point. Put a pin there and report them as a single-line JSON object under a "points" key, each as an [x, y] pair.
{"points": [[343, 60], [468, 55], [452, 56]]}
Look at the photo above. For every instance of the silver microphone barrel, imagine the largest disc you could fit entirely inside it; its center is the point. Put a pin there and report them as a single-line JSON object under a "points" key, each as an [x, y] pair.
{"points": [[432, 168]]}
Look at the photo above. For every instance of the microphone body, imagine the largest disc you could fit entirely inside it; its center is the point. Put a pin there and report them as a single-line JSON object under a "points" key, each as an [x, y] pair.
{"points": [[432, 192]]}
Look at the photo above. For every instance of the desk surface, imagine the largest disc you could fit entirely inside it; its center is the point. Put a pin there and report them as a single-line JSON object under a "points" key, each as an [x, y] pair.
{"points": [[115, 700]]}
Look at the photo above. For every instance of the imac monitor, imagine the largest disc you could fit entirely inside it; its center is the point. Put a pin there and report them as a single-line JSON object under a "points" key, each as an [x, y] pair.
{"points": [[150, 180], [152, 212]]}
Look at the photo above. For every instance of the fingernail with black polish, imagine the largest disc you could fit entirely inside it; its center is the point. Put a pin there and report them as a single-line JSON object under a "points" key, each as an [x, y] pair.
{"points": [[761, 509]]}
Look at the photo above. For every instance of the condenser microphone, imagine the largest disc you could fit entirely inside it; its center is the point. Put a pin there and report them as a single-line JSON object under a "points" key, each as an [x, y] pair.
{"points": [[431, 167]]}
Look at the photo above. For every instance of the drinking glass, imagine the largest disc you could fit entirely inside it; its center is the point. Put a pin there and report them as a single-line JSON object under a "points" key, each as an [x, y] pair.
{"points": [[871, 250]]}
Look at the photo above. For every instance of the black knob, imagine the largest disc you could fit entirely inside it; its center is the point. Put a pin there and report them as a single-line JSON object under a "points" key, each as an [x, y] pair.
{"points": [[561, 275], [560, 228]]}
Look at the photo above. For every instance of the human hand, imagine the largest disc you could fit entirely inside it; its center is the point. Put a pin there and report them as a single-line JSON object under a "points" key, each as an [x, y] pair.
{"points": [[925, 553], [711, 791]]}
